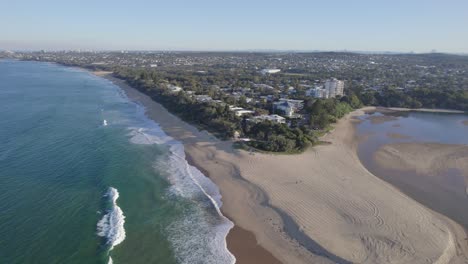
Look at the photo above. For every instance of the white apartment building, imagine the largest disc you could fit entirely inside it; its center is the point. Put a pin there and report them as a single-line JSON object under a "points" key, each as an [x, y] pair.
{"points": [[317, 92], [288, 106], [332, 88], [272, 118]]}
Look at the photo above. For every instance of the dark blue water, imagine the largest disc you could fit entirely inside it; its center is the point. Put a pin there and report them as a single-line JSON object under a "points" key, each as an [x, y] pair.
{"points": [[86, 177]]}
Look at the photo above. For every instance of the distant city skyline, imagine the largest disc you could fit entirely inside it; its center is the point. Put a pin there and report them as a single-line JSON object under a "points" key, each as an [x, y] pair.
{"points": [[295, 25]]}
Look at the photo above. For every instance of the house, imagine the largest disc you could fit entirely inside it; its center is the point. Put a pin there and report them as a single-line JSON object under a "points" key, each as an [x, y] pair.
{"points": [[203, 98], [298, 104], [269, 71], [244, 112], [288, 107], [239, 111], [173, 88], [284, 107], [272, 118], [235, 108]]}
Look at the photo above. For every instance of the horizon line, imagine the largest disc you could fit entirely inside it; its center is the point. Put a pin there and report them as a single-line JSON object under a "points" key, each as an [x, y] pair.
{"points": [[239, 51]]}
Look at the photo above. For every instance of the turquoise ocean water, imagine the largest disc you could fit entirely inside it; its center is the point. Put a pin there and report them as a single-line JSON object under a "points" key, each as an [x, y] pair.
{"points": [[85, 177]]}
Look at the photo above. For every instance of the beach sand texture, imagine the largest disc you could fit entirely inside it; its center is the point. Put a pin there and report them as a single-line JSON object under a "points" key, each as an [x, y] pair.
{"points": [[350, 212], [332, 207]]}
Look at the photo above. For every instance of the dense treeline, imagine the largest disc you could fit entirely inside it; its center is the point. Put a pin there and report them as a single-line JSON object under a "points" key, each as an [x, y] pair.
{"points": [[211, 116], [219, 120], [417, 98], [323, 112], [279, 137]]}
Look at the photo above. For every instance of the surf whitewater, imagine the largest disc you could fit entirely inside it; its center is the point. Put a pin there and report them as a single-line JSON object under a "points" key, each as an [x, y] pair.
{"points": [[111, 225], [199, 234]]}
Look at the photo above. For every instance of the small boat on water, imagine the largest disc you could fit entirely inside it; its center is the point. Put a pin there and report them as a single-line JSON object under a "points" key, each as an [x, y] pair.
{"points": [[104, 123]]}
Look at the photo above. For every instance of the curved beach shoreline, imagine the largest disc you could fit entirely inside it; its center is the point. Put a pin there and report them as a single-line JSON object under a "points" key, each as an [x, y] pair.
{"points": [[321, 206]]}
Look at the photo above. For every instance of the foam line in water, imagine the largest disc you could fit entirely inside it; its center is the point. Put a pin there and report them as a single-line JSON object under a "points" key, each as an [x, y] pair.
{"points": [[199, 235], [198, 184], [111, 225]]}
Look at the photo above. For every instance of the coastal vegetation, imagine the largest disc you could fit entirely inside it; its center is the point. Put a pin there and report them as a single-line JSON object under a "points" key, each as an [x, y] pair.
{"points": [[417, 98], [217, 118]]}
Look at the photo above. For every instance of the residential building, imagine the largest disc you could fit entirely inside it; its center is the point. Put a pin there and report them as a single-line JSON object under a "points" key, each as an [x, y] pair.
{"points": [[298, 104], [173, 88], [272, 118], [270, 71], [288, 107], [317, 92], [203, 98], [284, 108], [239, 111], [244, 112], [334, 87]]}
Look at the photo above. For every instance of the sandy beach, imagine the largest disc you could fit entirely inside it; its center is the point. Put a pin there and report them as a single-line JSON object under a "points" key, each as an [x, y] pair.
{"points": [[322, 206]]}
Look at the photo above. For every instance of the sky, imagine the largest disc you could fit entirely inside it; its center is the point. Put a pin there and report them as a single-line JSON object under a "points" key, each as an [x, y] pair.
{"points": [[327, 25]]}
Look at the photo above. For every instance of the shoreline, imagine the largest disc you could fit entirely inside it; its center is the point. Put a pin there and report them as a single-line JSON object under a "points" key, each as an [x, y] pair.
{"points": [[344, 214], [428, 110], [241, 242]]}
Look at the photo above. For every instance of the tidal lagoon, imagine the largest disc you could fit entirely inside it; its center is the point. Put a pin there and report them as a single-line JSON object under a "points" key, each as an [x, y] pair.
{"points": [[423, 154]]}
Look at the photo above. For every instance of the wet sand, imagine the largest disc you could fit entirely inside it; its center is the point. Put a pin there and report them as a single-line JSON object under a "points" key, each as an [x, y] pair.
{"points": [[244, 246], [431, 173], [240, 242], [397, 135]]}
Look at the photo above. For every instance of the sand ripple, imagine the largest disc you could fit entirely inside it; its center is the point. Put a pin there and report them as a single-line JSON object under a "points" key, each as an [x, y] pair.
{"points": [[349, 211]]}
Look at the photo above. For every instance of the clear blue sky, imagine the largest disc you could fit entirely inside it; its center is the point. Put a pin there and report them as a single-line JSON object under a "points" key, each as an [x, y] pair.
{"points": [[365, 25]]}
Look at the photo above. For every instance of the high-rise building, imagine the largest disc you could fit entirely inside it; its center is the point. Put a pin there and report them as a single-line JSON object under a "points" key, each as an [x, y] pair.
{"points": [[334, 87], [331, 89]]}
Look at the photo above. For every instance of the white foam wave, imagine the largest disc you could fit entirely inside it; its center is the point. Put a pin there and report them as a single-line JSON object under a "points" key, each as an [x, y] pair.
{"points": [[200, 235], [111, 225], [198, 227]]}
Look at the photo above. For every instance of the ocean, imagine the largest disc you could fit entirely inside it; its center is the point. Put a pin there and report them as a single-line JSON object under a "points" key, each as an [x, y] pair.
{"points": [[86, 177]]}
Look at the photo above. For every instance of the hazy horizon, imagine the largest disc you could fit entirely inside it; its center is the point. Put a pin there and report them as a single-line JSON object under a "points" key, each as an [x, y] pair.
{"points": [[236, 51], [297, 25]]}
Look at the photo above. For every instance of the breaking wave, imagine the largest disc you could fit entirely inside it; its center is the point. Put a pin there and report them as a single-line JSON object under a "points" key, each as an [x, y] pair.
{"points": [[111, 225], [199, 235]]}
